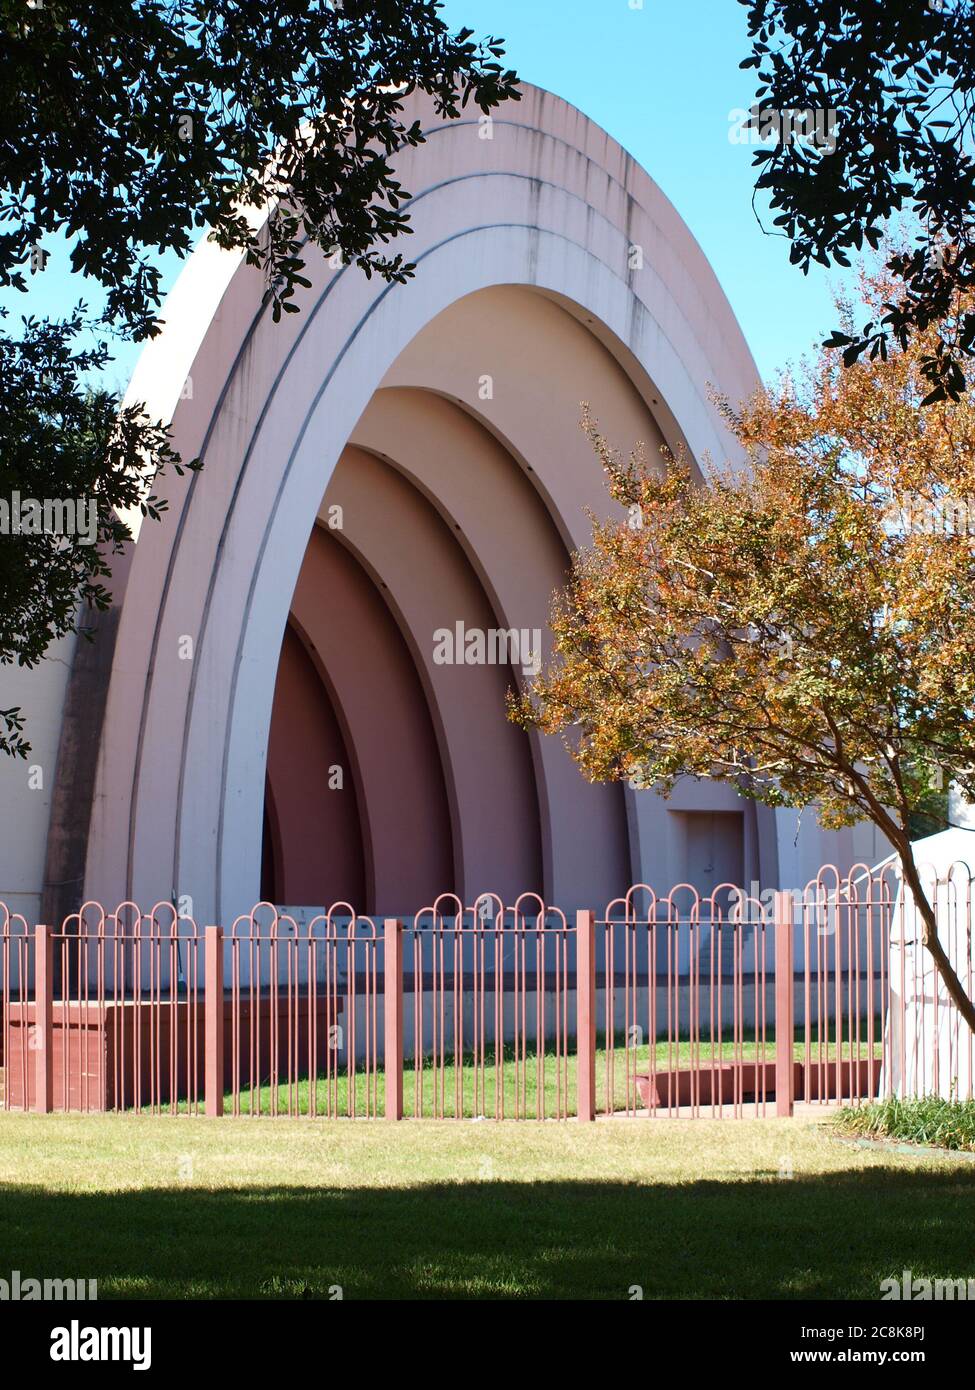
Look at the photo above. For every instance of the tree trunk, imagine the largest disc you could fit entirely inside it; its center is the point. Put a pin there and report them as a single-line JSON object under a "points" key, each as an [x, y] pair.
{"points": [[931, 941]]}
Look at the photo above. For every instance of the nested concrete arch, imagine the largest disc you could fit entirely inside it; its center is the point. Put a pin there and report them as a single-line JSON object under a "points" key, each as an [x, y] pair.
{"points": [[512, 542], [317, 839], [527, 347], [390, 759], [416, 559], [549, 203]]}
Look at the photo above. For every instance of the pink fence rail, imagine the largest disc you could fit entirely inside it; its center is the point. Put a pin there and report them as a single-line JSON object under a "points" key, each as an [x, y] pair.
{"points": [[873, 1017], [115, 1018], [735, 1004], [16, 1000], [487, 997], [679, 1004], [301, 1014], [844, 1034], [686, 1017]]}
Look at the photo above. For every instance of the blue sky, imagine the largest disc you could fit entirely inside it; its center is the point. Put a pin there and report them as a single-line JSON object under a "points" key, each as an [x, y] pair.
{"points": [[662, 80]]}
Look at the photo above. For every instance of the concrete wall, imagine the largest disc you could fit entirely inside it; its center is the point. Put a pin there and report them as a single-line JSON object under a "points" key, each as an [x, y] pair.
{"points": [[27, 787]]}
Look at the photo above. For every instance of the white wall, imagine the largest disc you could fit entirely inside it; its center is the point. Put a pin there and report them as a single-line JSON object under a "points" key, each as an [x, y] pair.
{"points": [[805, 847], [26, 786]]}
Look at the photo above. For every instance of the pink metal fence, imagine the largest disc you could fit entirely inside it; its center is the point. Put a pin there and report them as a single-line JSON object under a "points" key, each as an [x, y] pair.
{"points": [[873, 1019], [845, 936], [488, 995], [110, 1015], [737, 1004], [686, 1014], [16, 1003], [680, 1004], [301, 1011]]}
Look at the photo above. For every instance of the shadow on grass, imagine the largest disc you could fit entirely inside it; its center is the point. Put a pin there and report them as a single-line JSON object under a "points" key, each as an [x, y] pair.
{"points": [[830, 1237]]}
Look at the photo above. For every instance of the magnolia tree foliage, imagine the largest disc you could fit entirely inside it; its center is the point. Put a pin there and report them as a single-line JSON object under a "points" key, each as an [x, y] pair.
{"points": [[802, 627]]}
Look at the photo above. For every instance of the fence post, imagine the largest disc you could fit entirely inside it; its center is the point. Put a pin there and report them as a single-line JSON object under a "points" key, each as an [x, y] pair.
{"points": [[586, 1015], [42, 1038], [784, 1006], [213, 1021], [393, 1016]]}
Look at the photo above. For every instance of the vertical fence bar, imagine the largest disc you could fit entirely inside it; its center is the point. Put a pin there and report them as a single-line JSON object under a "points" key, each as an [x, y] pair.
{"points": [[393, 1017], [213, 1021], [44, 1022], [784, 1007], [586, 1016]]}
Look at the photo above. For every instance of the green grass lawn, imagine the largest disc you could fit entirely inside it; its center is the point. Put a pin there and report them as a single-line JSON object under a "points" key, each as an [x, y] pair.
{"points": [[469, 1091], [949, 1124], [184, 1207]]}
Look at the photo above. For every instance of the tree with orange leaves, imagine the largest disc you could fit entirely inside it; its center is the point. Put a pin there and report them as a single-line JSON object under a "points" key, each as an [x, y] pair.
{"points": [[802, 627]]}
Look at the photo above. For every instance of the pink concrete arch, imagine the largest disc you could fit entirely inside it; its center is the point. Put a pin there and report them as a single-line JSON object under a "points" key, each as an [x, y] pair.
{"points": [[498, 518], [510, 334], [550, 202], [391, 752], [515, 333], [318, 846], [400, 539]]}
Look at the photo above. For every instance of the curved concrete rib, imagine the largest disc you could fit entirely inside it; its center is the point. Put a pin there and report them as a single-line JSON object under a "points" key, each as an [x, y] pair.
{"points": [[318, 843], [391, 755], [511, 542], [530, 355], [402, 541]]}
